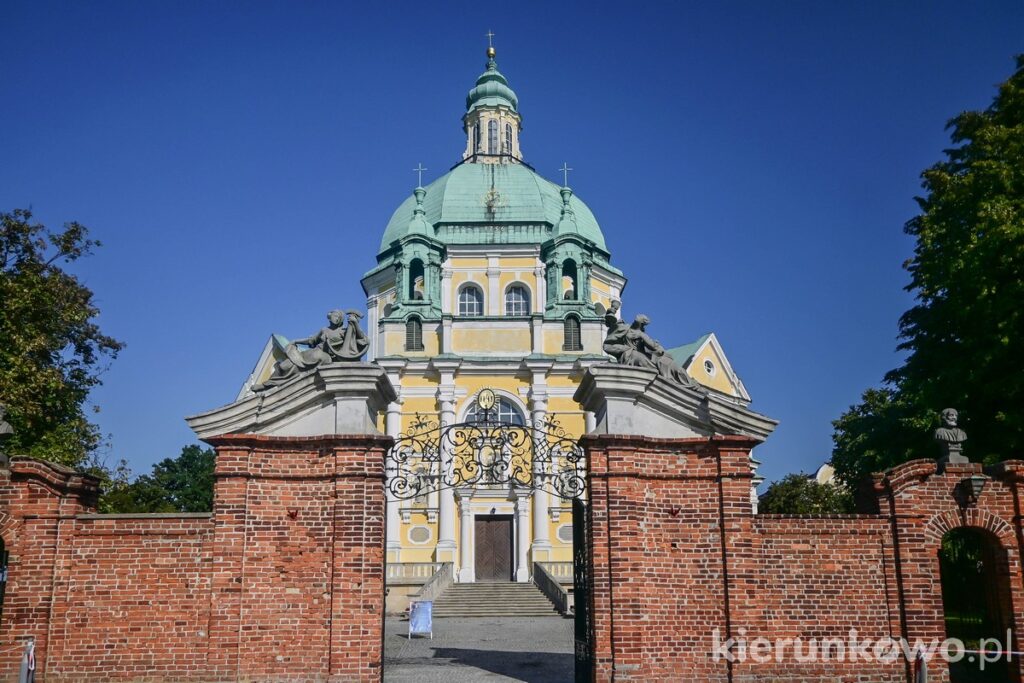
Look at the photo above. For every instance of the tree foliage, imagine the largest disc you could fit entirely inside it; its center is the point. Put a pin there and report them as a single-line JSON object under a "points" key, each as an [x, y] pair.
{"points": [[181, 484], [798, 494], [52, 352], [964, 337]]}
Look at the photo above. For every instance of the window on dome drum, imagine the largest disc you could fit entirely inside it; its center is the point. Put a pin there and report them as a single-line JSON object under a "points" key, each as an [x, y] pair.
{"points": [[476, 138], [492, 137], [572, 342], [471, 301], [416, 279], [517, 301], [508, 138], [413, 334], [569, 284], [504, 411]]}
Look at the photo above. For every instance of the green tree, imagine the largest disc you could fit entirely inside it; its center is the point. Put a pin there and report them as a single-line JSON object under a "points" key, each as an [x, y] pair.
{"points": [[798, 494], [52, 352], [181, 484], [964, 337]]}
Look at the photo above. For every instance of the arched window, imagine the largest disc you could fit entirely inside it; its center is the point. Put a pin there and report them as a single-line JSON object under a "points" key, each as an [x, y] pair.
{"points": [[573, 341], [569, 284], [413, 334], [504, 411], [517, 300], [471, 301], [492, 137], [476, 138], [508, 138], [416, 282]]}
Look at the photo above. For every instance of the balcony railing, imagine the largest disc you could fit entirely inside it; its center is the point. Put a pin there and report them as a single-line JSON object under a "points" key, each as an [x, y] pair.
{"points": [[411, 573], [552, 588], [444, 577], [560, 571]]}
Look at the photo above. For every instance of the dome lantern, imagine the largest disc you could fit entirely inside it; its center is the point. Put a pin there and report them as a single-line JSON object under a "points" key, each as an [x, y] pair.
{"points": [[492, 122]]}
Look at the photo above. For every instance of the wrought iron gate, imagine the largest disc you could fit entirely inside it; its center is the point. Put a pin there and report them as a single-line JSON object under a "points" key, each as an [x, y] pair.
{"points": [[583, 627], [484, 452]]}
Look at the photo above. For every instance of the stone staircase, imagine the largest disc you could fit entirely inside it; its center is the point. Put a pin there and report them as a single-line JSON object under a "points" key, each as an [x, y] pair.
{"points": [[505, 599]]}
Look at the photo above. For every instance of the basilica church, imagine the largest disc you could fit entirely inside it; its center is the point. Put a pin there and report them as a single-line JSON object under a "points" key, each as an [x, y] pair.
{"points": [[492, 277]]}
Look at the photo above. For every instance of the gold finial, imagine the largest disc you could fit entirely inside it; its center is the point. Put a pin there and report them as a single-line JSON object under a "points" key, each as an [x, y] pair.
{"points": [[490, 45]]}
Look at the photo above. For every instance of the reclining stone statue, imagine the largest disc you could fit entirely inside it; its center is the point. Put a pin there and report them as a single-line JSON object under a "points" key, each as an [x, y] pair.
{"points": [[631, 345], [336, 342]]}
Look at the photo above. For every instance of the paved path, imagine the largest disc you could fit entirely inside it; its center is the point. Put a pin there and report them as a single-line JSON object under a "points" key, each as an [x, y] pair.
{"points": [[531, 650]]}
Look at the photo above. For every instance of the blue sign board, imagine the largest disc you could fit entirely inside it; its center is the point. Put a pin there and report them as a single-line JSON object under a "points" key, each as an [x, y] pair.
{"points": [[421, 618]]}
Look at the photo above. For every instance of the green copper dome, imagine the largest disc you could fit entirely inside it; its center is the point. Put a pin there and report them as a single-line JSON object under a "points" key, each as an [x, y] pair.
{"points": [[477, 203], [491, 90]]}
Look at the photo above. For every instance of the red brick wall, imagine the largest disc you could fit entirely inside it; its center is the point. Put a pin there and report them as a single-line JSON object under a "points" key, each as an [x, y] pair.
{"points": [[287, 575], [130, 599], [298, 576], [677, 554], [285, 578]]}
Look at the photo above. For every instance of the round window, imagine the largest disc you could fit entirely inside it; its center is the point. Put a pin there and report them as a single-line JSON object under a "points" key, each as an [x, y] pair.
{"points": [[419, 534], [565, 533], [709, 368]]}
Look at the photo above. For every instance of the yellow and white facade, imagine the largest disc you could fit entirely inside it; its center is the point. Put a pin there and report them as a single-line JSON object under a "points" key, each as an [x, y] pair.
{"points": [[492, 277]]}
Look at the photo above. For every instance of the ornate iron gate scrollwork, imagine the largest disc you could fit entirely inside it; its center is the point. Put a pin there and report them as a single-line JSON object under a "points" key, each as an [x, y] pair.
{"points": [[583, 625], [429, 456]]}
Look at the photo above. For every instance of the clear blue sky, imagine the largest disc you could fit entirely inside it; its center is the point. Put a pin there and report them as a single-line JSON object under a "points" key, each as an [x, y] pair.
{"points": [[751, 164]]}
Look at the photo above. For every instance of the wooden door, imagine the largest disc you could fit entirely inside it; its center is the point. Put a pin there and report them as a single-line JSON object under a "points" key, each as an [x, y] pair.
{"points": [[493, 548]]}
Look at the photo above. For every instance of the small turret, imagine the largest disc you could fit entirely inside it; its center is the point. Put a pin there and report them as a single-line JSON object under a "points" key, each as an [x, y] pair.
{"points": [[492, 122]]}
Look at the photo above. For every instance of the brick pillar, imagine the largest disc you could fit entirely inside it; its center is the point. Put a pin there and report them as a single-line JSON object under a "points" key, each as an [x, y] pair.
{"points": [[298, 575], [667, 519], [38, 504]]}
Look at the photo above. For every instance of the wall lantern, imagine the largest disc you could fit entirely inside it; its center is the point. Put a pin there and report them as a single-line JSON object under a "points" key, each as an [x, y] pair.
{"points": [[968, 491]]}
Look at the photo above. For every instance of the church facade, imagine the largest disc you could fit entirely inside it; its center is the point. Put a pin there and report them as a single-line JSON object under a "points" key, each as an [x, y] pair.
{"points": [[494, 302], [493, 277]]}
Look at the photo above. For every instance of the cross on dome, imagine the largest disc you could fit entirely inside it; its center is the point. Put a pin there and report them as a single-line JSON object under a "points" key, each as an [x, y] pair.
{"points": [[419, 173], [565, 174]]}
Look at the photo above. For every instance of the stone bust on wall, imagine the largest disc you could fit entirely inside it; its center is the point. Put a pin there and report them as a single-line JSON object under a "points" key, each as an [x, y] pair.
{"points": [[951, 438]]}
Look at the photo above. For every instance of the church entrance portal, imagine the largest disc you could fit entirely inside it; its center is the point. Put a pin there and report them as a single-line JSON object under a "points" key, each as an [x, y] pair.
{"points": [[493, 547]]}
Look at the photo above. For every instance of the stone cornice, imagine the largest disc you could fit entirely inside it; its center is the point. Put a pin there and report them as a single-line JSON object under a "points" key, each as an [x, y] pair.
{"points": [[340, 398], [630, 400]]}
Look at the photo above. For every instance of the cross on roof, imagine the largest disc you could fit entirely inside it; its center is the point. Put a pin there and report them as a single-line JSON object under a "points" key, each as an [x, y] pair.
{"points": [[565, 174], [490, 35], [419, 173]]}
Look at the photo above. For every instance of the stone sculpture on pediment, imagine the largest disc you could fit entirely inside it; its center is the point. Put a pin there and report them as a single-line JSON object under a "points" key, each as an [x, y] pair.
{"points": [[340, 341], [631, 345]]}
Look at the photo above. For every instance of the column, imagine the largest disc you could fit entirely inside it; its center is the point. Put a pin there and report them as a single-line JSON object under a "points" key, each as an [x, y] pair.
{"points": [[401, 289], [372, 313], [446, 506], [584, 280], [541, 548], [589, 421], [541, 289], [467, 559], [393, 426], [494, 302], [446, 290], [537, 332], [522, 538]]}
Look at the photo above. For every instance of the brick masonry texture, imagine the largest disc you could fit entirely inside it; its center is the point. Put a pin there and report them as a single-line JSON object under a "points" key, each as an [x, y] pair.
{"points": [[677, 554], [284, 581]]}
